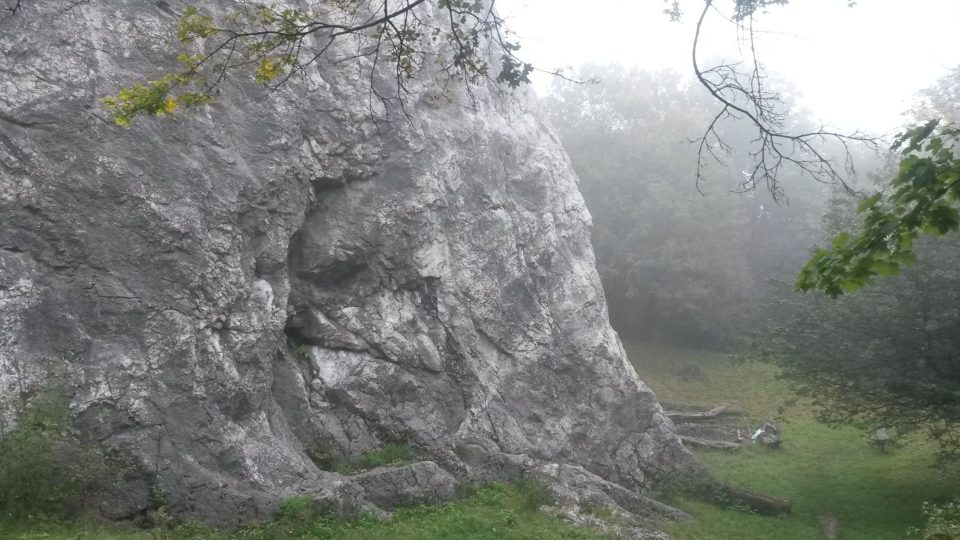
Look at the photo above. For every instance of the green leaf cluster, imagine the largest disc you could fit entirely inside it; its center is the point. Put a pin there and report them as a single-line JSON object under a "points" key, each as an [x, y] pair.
{"points": [[513, 73], [923, 200], [272, 53], [193, 24], [745, 9], [160, 97], [467, 37]]}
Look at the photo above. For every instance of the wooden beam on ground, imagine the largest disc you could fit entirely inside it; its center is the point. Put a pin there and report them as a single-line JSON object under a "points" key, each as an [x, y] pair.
{"points": [[714, 412], [708, 443]]}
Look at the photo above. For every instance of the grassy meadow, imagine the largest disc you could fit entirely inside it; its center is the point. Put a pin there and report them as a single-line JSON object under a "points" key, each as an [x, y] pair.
{"points": [[494, 512], [830, 475]]}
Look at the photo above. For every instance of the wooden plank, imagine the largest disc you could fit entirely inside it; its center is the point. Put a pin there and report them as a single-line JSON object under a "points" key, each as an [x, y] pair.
{"points": [[712, 413], [707, 443]]}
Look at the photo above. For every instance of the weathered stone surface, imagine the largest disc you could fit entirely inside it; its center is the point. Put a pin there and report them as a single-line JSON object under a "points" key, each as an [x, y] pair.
{"points": [[419, 483], [575, 485], [294, 269], [619, 527]]}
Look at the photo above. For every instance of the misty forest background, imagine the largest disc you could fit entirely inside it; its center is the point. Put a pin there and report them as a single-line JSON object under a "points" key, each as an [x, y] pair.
{"points": [[712, 266], [705, 265], [700, 282]]}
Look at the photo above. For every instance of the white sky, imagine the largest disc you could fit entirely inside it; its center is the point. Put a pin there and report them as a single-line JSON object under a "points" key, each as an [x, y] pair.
{"points": [[856, 68]]}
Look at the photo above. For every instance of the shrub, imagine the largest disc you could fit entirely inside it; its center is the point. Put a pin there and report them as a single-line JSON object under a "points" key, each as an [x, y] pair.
{"points": [[45, 471], [597, 510], [534, 493], [390, 454], [31, 475], [297, 509], [942, 521]]}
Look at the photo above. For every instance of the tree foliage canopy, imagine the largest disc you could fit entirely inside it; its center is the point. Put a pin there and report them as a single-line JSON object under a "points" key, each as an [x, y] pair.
{"points": [[886, 356], [923, 199]]}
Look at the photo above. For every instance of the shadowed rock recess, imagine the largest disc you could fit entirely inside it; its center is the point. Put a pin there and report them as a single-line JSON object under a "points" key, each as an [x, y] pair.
{"points": [[301, 273]]}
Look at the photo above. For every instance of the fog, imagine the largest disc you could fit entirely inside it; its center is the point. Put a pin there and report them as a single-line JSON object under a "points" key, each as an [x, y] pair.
{"points": [[698, 265], [854, 67], [682, 256]]}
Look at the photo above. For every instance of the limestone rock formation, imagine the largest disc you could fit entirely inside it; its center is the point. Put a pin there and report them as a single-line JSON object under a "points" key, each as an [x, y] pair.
{"points": [[299, 272]]}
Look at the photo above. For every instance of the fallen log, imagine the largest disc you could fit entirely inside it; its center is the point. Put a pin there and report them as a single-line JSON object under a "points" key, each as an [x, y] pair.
{"points": [[712, 413], [761, 504], [708, 443]]}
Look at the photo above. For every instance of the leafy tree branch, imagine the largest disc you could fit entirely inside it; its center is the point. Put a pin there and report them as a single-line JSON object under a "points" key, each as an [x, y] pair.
{"points": [[274, 44], [923, 200]]}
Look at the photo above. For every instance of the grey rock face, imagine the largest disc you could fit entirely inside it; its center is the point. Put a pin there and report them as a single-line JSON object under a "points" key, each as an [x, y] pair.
{"points": [[298, 270]]}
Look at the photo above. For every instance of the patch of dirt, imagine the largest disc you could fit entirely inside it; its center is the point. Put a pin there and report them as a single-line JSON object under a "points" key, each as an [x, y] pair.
{"points": [[830, 526]]}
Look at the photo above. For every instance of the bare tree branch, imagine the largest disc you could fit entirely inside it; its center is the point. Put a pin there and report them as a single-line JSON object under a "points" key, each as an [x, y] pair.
{"points": [[743, 95]]}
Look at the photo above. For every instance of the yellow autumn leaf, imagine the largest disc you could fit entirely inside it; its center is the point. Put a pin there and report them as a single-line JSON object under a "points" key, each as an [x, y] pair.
{"points": [[170, 105], [267, 70]]}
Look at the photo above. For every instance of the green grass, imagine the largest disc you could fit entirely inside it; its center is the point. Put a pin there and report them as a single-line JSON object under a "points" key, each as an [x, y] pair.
{"points": [[495, 512], [823, 471], [699, 378], [390, 454]]}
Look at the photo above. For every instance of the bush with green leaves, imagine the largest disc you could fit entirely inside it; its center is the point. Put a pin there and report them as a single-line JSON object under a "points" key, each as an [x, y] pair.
{"points": [[886, 356], [533, 493], [942, 521], [45, 471]]}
